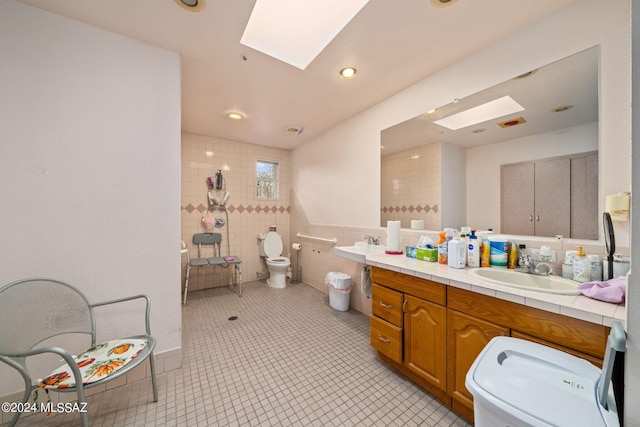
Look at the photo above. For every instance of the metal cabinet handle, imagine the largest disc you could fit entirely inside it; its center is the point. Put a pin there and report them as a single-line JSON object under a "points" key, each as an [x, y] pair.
{"points": [[537, 217], [530, 217], [383, 339], [385, 305]]}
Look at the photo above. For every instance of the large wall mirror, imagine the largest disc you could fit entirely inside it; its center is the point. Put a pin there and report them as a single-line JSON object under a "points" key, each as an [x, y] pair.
{"points": [[444, 167]]}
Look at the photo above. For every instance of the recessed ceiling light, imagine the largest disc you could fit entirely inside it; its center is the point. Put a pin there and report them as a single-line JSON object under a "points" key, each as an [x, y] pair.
{"points": [[294, 130], [442, 3], [235, 116], [482, 113], [192, 5], [527, 74], [562, 108], [348, 72]]}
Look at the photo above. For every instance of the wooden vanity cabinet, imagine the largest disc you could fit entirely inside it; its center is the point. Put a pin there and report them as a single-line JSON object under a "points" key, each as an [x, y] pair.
{"points": [[432, 333], [413, 311]]}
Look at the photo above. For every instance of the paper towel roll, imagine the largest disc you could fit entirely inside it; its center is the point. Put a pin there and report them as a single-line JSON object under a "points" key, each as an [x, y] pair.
{"points": [[417, 224], [393, 236], [296, 246]]}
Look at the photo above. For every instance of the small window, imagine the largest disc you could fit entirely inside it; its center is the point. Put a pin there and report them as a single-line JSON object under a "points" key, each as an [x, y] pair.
{"points": [[267, 173]]}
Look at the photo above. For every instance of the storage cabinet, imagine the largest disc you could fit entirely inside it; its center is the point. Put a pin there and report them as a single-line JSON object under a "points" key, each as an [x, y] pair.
{"points": [[551, 196], [432, 333], [541, 192]]}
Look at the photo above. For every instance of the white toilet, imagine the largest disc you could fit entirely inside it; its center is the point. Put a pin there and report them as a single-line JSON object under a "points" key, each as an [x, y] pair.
{"points": [[271, 248]]}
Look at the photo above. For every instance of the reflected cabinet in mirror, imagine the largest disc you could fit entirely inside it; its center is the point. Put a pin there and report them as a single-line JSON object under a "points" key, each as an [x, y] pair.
{"points": [[446, 167]]}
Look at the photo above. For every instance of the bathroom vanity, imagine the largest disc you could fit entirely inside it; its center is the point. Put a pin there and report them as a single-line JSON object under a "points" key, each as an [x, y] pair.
{"points": [[429, 322]]}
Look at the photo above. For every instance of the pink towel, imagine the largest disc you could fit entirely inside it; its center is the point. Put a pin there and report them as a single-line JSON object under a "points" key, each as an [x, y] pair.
{"points": [[613, 290]]}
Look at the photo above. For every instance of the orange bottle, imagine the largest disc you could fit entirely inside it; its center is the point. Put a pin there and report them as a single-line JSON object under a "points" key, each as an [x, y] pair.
{"points": [[443, 253]]}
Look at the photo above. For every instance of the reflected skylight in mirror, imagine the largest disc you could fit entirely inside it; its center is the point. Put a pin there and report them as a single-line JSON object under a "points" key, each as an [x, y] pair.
{"points": [[482, 113]]}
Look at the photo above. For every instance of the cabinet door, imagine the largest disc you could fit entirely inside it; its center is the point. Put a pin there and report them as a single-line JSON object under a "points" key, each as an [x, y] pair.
{"points": [[584, 197], [553, 197], [425, 340], [516, 199], [467, 336]]}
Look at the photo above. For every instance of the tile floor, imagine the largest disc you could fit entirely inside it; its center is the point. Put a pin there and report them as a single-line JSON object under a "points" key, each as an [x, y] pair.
{"points": [[288, 359]]}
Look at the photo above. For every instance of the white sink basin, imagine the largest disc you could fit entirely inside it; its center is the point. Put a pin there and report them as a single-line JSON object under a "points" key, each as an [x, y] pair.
{"points": [[531, 282], [358, 252]]}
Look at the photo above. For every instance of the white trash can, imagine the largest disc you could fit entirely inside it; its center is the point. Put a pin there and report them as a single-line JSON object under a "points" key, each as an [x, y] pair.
{"points": [[339, 290]]}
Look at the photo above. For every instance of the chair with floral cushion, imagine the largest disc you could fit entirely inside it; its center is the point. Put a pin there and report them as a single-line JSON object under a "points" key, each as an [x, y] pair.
{"points": [[35, 311]]}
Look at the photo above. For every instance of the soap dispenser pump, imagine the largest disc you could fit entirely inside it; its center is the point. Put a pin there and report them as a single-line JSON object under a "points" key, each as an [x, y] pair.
{"points": [[581, 267]]}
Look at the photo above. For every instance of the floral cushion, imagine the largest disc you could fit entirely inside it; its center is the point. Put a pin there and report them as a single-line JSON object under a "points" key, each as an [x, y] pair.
{"points": [[98, 362]]}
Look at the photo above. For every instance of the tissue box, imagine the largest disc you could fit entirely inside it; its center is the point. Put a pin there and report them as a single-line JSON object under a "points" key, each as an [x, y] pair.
{"points": [[427, 254], [411, 251]]}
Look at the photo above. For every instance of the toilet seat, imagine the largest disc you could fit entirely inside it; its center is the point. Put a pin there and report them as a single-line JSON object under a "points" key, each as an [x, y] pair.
{"points": [[272, 245], [278, 260]]}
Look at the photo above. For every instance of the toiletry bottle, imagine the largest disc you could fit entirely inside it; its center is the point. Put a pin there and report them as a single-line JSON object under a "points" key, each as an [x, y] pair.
{"points": [[513, 255], [442, 248], [581, 267], [596, 268], [521, 254], [455, 253], [465, 232], [485, 253], [473, 250], [449, 233]]}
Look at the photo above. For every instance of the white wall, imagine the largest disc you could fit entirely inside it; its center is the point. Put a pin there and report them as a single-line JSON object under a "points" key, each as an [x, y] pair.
{"points": [[341, 167], [90, 166]]}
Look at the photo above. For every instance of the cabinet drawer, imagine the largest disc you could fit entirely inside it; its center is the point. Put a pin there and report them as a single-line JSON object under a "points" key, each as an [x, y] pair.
{"points": [[387, 339], [594, 360], [411, 285], [386, 304]]}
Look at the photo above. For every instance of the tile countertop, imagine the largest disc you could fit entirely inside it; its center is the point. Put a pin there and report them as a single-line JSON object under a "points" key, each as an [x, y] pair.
{"points": [[577, 306]]}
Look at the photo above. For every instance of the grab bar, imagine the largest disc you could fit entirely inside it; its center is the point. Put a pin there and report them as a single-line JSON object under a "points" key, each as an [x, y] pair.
{"points": [[321, 239]]}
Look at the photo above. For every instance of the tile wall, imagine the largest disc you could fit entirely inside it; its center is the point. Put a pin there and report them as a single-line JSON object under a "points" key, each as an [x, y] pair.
{"points": [[410, 186], [246, 215]]}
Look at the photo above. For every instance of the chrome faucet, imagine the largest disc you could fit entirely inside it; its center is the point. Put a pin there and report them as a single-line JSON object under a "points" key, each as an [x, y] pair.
{"points": [[530, 265], [372, 240]]}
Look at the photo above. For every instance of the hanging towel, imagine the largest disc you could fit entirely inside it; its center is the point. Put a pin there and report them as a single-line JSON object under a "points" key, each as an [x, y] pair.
{"points": [[613, 290]]}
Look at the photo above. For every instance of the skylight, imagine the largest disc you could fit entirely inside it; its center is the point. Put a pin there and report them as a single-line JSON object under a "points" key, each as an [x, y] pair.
{"points": [[296, 31], [488, 111]]}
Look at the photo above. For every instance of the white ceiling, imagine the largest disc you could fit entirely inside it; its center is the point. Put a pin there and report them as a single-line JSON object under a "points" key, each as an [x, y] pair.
{"points": [[392, 43]]}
